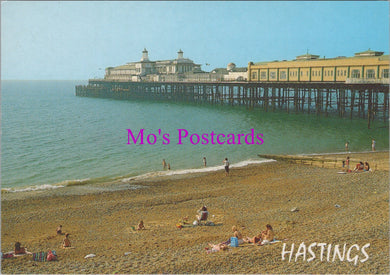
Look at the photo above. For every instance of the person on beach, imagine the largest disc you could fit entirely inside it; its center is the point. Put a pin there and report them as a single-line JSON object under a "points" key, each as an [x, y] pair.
{"points": [[202, 214], [347, 164], [216, 247], [59, 230], [141, 225], [19, 249], [253, 240], [164, 164], [264, 237], [226, 163], [373, 142], [359, 166], [169, 166], [66, 241], [267, 235], [347, 146], [366, 166], [204, 161], [237, 234]]}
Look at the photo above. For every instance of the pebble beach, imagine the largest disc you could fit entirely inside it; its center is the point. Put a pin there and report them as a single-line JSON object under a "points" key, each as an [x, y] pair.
{"points": [[305, 203]]}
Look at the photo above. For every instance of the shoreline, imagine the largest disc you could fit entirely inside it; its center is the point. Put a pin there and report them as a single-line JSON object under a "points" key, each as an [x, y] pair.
{"points": [[115, 183], [332, 208], [335, 157]]}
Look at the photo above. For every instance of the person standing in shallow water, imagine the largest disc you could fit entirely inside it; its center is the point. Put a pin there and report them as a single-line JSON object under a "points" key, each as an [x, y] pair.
{"points": [[347, 146], [204, 161], [373, 142], [164, 164], [226, 162]]}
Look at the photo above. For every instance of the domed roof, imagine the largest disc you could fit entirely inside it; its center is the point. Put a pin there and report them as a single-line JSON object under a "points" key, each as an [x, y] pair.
{"points": [[230, 66]]}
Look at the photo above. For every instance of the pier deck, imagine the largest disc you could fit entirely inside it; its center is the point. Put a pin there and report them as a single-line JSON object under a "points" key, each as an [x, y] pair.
{"points": [[364, 100]]}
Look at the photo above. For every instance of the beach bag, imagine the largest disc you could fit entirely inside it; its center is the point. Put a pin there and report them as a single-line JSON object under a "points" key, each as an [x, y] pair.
{"points": [[233, 242]]}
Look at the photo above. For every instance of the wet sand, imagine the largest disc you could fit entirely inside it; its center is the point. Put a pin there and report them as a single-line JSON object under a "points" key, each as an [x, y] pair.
{"points": [[332, 208]]}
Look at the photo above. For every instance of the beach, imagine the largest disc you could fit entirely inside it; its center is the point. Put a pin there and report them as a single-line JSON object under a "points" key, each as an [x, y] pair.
{"points": [[330, 208]]}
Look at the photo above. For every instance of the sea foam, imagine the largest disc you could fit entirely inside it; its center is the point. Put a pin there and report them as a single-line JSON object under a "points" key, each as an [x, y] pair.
{"points": [[32, 188], [46, 186], [195, 170]]}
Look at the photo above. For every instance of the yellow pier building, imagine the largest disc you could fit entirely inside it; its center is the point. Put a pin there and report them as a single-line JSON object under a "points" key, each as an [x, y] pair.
{"points": [[365, 67]]}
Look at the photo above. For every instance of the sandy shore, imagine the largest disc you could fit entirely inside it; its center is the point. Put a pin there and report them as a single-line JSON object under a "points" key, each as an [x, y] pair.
{"points": [[333, 209]]}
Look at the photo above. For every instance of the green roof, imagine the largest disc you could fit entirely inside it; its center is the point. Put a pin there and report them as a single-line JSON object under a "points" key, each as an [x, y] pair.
{"points": [[240, 69], [380, 57], [369, 52]]}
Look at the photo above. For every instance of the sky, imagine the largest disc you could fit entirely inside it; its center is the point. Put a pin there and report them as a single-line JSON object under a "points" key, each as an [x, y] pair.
{"points": [[77, 40]]}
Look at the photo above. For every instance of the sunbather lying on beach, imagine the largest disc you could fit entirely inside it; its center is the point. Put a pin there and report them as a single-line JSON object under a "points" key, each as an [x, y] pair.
{"points": [[253, 240], [19, 249], [366, 166], [264, 237], [216, 247], [359, 167]]}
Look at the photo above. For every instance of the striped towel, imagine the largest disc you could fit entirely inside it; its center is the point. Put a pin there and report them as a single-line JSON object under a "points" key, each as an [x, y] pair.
{"points": [[40, 256]]}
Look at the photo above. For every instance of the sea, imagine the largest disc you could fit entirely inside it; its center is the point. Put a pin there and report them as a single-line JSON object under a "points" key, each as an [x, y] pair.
{"points": [[51, 138]]}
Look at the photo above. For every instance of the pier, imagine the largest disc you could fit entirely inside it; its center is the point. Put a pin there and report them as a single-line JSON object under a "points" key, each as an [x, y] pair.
{"points": [[352, 100]]}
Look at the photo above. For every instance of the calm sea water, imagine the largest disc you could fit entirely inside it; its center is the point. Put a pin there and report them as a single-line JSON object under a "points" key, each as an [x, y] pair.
{"points": [[50, 137]]}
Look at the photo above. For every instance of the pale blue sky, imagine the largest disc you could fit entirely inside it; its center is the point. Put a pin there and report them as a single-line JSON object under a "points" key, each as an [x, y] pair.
{"points": [[78, 40]]}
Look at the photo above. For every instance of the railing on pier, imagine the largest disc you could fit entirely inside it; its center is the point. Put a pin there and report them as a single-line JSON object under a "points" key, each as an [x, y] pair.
{"points": [[384, 81], [364, 100]]}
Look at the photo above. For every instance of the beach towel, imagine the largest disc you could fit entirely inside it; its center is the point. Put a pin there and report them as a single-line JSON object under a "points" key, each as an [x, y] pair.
{"points": [[271, 242], [212, 250], [12, 254], [7, 255], [40, 256]]}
